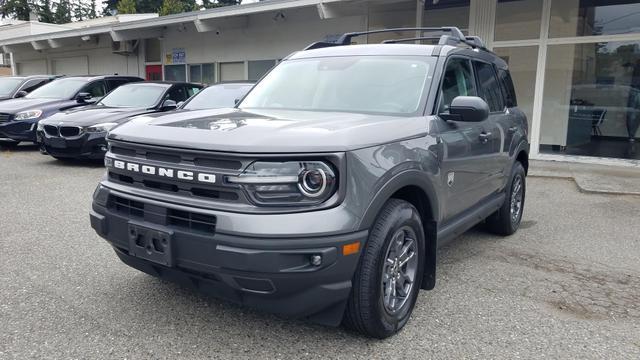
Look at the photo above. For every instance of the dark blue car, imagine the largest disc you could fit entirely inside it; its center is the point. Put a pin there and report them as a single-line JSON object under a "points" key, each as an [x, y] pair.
{"points": [[19, 117]]}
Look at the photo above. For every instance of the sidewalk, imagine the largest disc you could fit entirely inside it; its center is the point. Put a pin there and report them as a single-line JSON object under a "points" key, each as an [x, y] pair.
{"points": [[601, 179]]}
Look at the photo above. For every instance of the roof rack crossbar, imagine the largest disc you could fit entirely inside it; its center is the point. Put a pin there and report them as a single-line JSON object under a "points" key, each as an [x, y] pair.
{"points": [[454, 31]]}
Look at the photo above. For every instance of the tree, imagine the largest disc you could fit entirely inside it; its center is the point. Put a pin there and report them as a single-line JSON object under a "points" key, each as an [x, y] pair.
{"points": [[108, 6], [171, 7], [62, 15], [208, 4], [18, 9], [93, 10], [127, 7], [45, 12], [79, 11], [148, 6]]}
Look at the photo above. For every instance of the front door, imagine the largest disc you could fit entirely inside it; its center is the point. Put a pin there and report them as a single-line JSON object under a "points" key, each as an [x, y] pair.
{"points": [[467, 151]]}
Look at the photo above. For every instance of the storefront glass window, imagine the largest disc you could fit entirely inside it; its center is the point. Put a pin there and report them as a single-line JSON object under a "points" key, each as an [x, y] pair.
{"points": [[594, 17], [195, 73], [231, 71], [447, 13], [518, 19], [591, 103], [208, 74], [522, 61], [175, 73]]}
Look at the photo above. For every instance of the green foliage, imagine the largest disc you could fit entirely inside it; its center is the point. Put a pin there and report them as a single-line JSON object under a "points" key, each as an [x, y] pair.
{"points": [[45, 11], [62, 15], [171, 7], [208, 4], [18, 9], [127, 7]]}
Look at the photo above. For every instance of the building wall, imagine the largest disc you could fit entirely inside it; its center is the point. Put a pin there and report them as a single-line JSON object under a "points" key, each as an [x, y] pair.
{"points": [[97, 57]]}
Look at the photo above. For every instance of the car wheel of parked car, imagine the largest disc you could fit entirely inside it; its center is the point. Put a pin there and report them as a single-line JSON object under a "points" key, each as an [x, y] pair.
{"points": [[506, 220], [9, 143], [387, 281]]}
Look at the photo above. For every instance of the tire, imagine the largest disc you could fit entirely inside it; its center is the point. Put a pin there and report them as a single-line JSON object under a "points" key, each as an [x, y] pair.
{"points": [[504, 222], [369, 311]]}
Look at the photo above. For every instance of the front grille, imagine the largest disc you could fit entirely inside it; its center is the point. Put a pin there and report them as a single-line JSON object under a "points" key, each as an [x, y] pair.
{"points": [[70, 131], [5, 117], [51, 130], [176, 157], [179, 219]]}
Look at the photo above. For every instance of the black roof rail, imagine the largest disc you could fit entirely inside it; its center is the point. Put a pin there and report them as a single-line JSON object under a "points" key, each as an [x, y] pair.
{"points": [[450, 35]]}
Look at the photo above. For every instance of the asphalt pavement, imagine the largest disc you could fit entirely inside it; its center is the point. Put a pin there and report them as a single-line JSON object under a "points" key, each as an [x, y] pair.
{"points": [[566, 286]]}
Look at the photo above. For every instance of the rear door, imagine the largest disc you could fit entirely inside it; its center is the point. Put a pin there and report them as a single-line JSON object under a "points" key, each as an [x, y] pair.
{"points": [[493, 133], [464, 158]]}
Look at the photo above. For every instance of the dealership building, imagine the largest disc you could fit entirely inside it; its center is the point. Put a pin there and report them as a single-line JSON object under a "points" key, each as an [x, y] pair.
{"points": [[575, 63]]}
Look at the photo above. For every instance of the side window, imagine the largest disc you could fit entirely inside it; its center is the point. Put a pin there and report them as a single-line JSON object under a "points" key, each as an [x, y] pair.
{"points": [[114, 83], [177, 94], [508, 90], [457, 81], [96, 89], [491, 91], [31, 85], [192, 90]]}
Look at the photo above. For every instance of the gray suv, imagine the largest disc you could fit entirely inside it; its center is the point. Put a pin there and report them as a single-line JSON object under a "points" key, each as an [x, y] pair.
{"points": [[326, 191]]}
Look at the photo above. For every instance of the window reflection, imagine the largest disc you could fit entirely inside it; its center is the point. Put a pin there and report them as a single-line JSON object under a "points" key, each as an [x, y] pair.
{"points": [[592, 100], [594, 17]]}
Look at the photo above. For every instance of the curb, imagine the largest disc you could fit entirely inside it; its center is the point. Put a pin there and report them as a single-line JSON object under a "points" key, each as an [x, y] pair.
{"points": [[583, 189]]}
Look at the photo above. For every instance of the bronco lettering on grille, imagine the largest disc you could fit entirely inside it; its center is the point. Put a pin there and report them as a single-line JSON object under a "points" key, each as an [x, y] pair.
{"points": [[161, 171]]}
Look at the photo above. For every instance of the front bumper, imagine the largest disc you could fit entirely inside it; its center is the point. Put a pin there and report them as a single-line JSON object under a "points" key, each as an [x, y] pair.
{"points": [[269, 273], [23, 130], [86, 146]]}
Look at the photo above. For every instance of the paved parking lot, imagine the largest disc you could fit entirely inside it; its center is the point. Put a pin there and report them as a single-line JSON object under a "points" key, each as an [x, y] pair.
{"points": [[567, 285]]}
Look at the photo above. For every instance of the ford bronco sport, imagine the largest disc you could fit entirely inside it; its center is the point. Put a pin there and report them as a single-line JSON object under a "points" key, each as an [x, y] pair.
{"points": [[325, 192]]}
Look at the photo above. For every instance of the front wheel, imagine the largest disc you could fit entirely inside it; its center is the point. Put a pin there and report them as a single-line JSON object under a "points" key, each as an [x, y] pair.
{"points": [[387, 281], [506, 220]]}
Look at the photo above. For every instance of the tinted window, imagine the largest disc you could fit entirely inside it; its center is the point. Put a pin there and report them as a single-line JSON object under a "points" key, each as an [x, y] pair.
{"points": [[96, 89], [177, 94], [218, 96], [134, 95], [192, 90], [31, 85], [114, 83], [508, 91], [490, 88], [58, 89], [457, 81], [362, 84]]}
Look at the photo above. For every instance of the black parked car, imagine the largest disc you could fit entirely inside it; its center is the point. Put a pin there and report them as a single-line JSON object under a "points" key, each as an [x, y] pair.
{"points": [[12, 87], [80, 132], [18, 117]]}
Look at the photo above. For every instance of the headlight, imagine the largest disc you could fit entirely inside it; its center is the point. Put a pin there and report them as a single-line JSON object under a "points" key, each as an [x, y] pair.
{"points": [[289, 183], [28, 115], [100, 128]]}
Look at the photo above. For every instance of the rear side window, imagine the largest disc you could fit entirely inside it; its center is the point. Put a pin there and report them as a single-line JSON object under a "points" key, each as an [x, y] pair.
{"points": [[31, 85], [114, 83], [508, 91], [192, 90], [457, 81], [491, 91], [96, 89], [177, 94]]}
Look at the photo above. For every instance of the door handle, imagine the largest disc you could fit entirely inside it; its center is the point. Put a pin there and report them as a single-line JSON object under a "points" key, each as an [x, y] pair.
{"points": [[484, 137], [513, 129]]}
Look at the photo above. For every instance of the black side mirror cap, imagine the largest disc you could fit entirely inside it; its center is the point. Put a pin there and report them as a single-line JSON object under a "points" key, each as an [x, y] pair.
{"points": [[168, 105], [21, 93], [83, 97], [467, 109]]}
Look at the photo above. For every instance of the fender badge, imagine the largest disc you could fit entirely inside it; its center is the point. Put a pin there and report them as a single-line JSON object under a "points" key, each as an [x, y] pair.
{"points": [[451, 178]]}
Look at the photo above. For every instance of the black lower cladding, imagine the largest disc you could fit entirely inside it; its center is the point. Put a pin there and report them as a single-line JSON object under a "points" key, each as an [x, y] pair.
{"points": [[270, 274], [88, 145]]}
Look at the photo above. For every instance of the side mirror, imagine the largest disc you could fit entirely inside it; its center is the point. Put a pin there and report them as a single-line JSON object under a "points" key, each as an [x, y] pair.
{"points": [[168, 105], [83, 97], [21, 93], [468, 109]]}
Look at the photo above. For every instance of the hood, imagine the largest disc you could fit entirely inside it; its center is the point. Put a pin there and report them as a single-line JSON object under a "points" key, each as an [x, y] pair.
{"points": [[93, 115], [268, 131], [13, 106]]}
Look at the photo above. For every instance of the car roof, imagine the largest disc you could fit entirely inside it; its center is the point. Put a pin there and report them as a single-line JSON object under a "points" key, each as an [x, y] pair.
{"points": [[369, 49], [101, 77]]}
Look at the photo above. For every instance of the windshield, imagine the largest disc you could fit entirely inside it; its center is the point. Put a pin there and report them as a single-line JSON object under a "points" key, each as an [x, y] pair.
{"points": [[218, 96], [58, 89], [9, 85], [135, 95], [367, 84]]}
